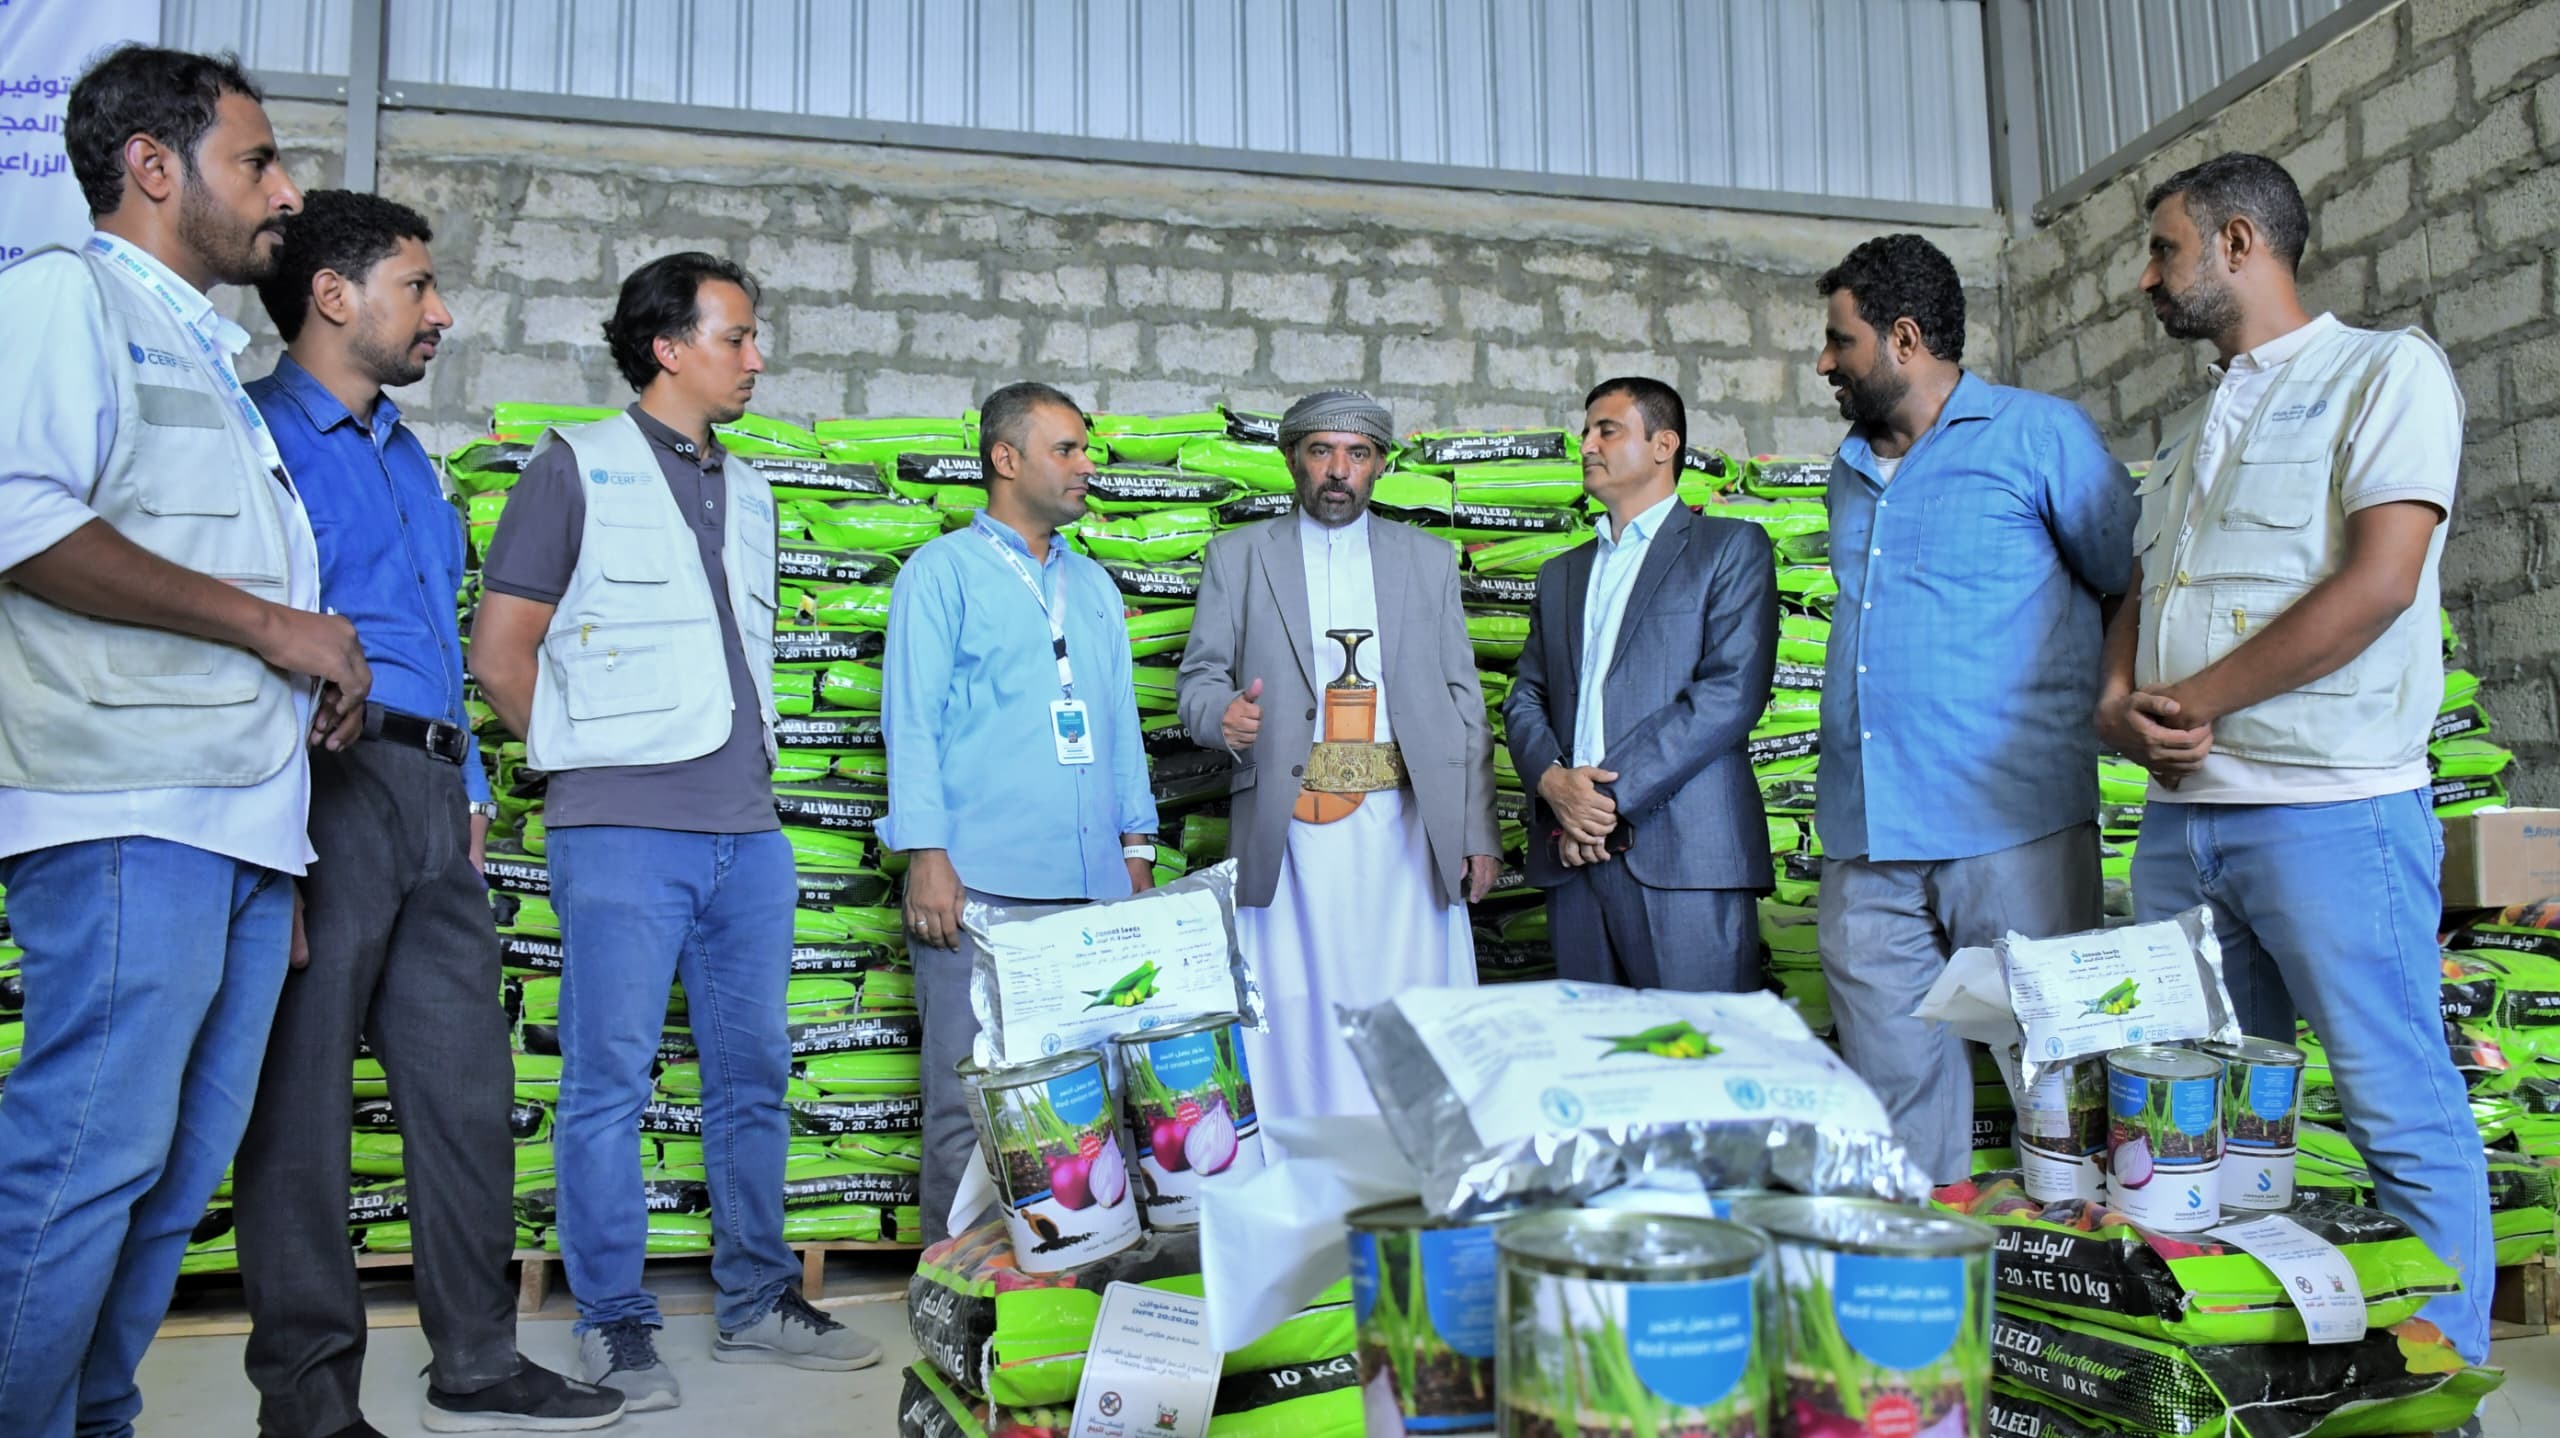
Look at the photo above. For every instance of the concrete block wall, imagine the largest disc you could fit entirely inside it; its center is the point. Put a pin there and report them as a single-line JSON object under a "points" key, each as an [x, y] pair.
{"points": [[911, 282], [2427, 145]]}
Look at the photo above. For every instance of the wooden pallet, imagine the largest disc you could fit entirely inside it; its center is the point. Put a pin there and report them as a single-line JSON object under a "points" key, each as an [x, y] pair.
{"points": [[211, 1304], [2527, 1298]]}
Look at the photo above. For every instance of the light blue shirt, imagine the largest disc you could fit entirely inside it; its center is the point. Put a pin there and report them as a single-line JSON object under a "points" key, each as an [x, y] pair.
{"points": [[1963, 666], [1604, 608], [967, 682]]}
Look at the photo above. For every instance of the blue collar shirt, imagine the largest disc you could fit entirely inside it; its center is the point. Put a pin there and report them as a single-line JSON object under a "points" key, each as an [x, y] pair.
{"points": [[1965, 642], [968, 679], [391, 547]]}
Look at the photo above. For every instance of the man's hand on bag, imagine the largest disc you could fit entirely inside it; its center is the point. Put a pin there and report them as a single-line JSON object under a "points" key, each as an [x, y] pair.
{"points": [[1586, 813], [2146, 728], [299, 953], [1242, 723], [1481, 869], [934, 897], [325, 647]]}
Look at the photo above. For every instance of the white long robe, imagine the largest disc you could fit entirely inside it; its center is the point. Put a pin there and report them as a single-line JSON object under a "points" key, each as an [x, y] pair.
{"points": [[1357, 918]]}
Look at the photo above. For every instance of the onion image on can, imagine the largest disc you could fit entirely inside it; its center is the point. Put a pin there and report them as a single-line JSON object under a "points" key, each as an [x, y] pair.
{"points": [[1050, 1136], [1186, 1100]]}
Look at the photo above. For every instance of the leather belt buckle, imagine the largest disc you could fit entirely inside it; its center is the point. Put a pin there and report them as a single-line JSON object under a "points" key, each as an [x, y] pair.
{"points": [[446, 742]]}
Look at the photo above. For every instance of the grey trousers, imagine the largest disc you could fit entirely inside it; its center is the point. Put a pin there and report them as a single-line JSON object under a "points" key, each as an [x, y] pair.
{"points": [[1886, 931], [1609, 928], [404, 954], [950, 1028]]}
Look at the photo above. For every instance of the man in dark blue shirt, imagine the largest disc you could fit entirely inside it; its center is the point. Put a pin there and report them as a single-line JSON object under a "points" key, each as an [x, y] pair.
{"points": [[401, 952]]}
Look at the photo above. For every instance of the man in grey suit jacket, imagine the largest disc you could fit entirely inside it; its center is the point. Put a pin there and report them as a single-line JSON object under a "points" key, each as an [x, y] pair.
{"points": [[1362, 811], [1648, 663]]}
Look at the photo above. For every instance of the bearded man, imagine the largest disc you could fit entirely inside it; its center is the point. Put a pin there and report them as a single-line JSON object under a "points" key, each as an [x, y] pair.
{"points": [[1975, 532], [1329, 654]]}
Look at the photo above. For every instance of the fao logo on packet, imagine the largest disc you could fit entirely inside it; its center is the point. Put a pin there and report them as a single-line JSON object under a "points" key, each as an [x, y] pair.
{"points": [[1746, 1093], [1561, 1107]]}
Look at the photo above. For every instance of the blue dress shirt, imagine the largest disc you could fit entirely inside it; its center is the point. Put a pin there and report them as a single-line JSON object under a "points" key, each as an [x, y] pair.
{"points": [[1604, 612], [391, 546], [966, 687], [1963, 669]]}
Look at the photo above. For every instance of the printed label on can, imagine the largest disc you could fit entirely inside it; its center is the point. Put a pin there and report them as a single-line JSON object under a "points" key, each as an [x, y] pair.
{"points": [[1057, 1157], [2164, 1150], [2261, 1105], [1188, 1104], [2257, 1180], [1882, 1346], [2060, 1177], [1425, 1300], [1583, 1355]]}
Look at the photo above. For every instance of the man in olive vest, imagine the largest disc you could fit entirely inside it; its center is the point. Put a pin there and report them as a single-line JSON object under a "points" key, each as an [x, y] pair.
{"points": [[636, 561], [2276, 667], [158, 645]]}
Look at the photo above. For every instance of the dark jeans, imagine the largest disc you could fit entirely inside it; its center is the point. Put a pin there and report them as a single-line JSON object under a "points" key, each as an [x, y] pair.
{"points": [[403, 953]]}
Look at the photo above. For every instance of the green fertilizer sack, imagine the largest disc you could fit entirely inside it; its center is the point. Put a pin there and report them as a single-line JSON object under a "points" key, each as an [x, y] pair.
{"points": [[1020, 1338], [1787, 786], [958, 504], [1159, 537], [1801, 478], [526, 422], [845, 606], [810, 477], [851, 1223], [2403, 1379], [1525, 554], [1143, 439], [1125, 489], [865, 1074], [851, 684], [1519, 485], [2461, 714], [1497, 634], [2468, 759], [829, 805], [795, 691], [1254, 508], [1158, 631], [882, 526], [1447, 450], [1157, 688], [1154, 586], [670, 1235], [815, 566], [825, 848], [2091, 1263], [1803, 641], [1497, 591], [1255, 466]]}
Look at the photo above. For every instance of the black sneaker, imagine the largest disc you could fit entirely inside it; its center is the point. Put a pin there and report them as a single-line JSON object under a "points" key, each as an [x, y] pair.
{"points": [[359, 1429], [534, 1399]]}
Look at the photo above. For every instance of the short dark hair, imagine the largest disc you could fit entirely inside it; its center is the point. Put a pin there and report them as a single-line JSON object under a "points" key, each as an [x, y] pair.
{"points": [[171, 95], [1895, 277], [1002, 416], [1659, 403], [347, 232], [2240, 184], [662, 300]]}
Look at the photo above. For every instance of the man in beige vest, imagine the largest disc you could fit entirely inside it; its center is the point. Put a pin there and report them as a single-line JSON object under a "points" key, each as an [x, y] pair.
{"points": [[158, 645], [2276, 667], [626, 631]]}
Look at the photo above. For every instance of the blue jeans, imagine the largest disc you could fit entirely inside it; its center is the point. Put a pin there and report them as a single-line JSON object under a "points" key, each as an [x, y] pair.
{"points": [[2336, 905], [638, 908], [152, 971]]}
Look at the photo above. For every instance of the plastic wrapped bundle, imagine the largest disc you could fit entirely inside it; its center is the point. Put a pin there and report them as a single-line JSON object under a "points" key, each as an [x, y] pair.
{"points": [[1154, 439], [1562, 1090], [1157, 537], [881, 526]]}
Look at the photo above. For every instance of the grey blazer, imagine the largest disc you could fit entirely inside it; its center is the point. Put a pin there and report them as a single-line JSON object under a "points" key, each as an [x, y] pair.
{"points": [[1251, 622], [1688, 682]]}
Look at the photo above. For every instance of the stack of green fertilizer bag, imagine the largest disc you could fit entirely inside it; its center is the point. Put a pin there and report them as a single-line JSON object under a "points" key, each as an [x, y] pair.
{"points": [[1004, 1349], [2103, 1328]]}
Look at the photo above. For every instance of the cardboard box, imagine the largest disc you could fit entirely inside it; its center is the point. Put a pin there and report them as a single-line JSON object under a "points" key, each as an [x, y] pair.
{"points": [[2508, 856]]}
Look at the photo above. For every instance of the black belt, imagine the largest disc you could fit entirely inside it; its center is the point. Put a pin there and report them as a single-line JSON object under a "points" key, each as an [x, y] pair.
{"points": [[440, 740]]}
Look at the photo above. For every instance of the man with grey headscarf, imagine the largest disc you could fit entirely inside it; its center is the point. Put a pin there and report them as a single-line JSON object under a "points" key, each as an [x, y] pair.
{"points": [[1330, 655]]}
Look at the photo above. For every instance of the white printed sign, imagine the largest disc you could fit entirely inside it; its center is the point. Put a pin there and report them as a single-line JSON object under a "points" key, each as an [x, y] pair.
{"points": [[2315, 1274], [1150, 1369], [44, 45]]}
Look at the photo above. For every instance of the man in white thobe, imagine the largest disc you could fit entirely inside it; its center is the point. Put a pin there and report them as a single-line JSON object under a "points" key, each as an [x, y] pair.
{"points": [[1330, 654]]}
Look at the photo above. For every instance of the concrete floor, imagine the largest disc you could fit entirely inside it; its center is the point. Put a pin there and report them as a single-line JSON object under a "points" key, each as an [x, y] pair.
{"points": [[193, 1387]]}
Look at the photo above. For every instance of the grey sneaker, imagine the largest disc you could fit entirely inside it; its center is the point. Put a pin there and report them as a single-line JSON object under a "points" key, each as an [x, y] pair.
{"points": [[624, 1356], [799, 1335]]}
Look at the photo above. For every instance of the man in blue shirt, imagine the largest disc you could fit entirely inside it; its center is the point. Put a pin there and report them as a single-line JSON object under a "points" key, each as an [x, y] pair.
{"points": [[401, 952], [1975, 532], [998, 636]]}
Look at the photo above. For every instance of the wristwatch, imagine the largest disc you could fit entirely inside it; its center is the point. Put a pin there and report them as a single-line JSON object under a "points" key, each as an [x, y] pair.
{"points": [[486, 810]]}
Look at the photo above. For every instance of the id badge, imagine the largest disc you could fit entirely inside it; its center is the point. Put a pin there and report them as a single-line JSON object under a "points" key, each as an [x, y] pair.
{"points": [[1072, 728]]}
